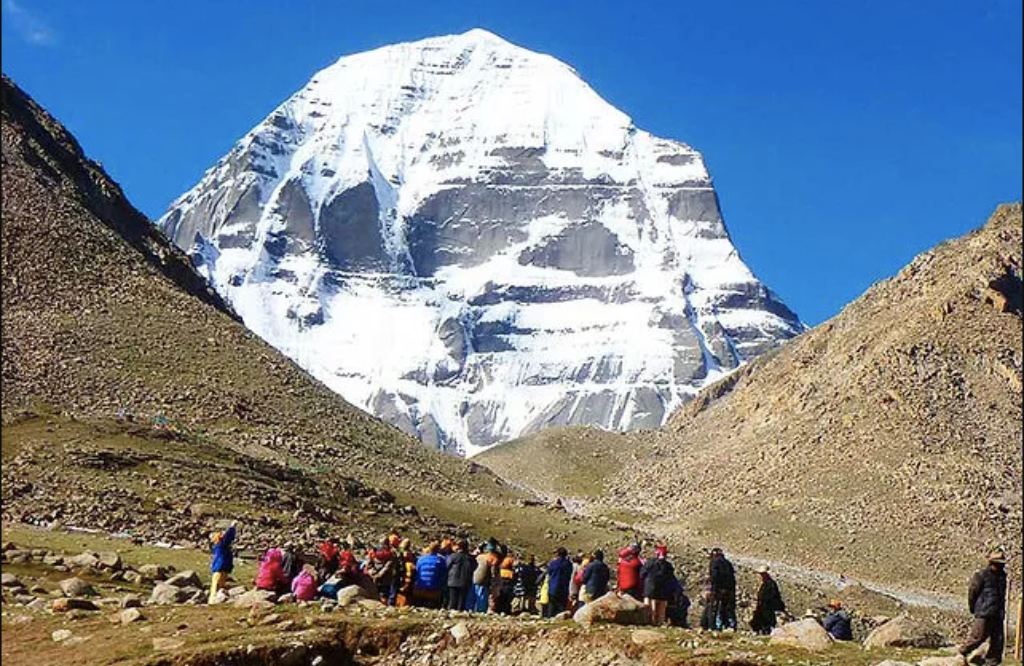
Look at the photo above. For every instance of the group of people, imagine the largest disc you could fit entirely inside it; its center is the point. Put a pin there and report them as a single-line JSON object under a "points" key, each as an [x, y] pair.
{"points": [[489, 578]]}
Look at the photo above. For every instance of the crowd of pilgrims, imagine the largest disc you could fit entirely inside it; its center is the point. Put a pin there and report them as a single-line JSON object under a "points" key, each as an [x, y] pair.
{"points": [[489, 578]]}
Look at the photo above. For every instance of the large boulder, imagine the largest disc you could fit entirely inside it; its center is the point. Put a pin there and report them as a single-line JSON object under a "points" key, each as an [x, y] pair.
{"points": [[153, 571], [76, 587], [164, 594], [86, 560], [109, 560], [185, 579], [806, 634], [353, 593], [256, 599], [905, 632], [614, 609], [10, 580]]}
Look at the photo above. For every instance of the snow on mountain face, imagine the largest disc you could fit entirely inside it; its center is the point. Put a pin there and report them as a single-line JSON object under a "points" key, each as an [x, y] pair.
{"points": [[463, 238]]}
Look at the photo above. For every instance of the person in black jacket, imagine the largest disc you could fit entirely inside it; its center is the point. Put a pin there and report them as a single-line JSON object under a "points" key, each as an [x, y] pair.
{"points": [[769, 601], [596, 577], [460, 576], [723, 590], [986, 598], [526, 578], [658, 575]]}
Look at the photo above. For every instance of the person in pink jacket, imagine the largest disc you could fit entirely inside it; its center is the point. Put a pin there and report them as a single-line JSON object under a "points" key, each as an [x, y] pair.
{"points": [[271, 574], [304, 586]]}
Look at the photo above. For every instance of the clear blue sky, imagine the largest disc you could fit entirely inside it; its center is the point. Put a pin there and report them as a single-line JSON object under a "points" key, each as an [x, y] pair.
{"points": [[844, 136]]}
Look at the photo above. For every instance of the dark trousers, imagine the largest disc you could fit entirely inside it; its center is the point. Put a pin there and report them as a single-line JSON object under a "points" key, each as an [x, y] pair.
{"points": [[725, 609], [763, 621], [555, 606], [457, 598], [986, 628]]}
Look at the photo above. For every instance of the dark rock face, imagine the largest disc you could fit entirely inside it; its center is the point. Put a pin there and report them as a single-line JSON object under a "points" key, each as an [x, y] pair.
{"points": [[470, 282]]}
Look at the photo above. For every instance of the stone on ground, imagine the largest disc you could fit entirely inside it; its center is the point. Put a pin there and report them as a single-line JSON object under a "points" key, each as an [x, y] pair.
{"points": [[646, 636], [946, 660], [129, 615], [613, 609], [351, 594], [76, 587], [61, 635], [185, 579], [257, 598], [10, 580], [806, 634], [164, 594], [905, 632]]}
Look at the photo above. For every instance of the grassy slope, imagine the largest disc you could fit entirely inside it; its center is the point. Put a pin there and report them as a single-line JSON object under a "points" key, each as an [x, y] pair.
{"points": [[884, 444]]}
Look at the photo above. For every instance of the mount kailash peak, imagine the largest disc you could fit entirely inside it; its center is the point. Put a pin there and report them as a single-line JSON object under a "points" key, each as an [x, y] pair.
{"points": [[460, 236]]}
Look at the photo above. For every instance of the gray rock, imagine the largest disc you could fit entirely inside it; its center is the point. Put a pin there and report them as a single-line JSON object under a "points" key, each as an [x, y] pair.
{"points": [[69, 604], [87, 560], [9, 580], [153, 572], [185, 579], [613, 609], [76, 587], [109, 560], [806, 634], [61, 635], [131, 601], [129, 615], [903, 632], [164, 594], [259, 598], [946, 660]]}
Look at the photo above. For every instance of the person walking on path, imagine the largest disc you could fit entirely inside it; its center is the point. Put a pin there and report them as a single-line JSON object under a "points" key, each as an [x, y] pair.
{"points": [[986, 599], [768, 603], [658, 575], [559, 576], [723, 590], [223, 561]]}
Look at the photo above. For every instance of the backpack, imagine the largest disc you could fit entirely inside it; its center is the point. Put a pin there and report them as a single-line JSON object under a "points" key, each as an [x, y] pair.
{"points": [[661, 574]]}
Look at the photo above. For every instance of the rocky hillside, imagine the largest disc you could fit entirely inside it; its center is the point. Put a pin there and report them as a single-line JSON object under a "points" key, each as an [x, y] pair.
{"points": [[521, 255], [133, 399], [885, 443]]}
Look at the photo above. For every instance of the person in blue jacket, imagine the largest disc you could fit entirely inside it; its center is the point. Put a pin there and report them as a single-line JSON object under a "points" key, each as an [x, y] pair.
{"points": [[431, 577], [559, 577], [223, 562]]}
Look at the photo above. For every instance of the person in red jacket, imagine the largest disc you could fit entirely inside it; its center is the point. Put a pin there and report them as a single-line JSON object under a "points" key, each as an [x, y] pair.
{"points": [[628, 575]]}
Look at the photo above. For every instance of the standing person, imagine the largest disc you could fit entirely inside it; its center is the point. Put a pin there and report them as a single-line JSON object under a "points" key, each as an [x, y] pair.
{"points": [[526, 576], [460, 576], [407, 574], [986, 599], [506, 576], [658, 574], [838, 622], [559, 576], [579, 563], [629, 572], [431, 576], [723, 590], [382, 570], [769, 601], [223, 561], [482, 576], [595, 578], [291, 562]]}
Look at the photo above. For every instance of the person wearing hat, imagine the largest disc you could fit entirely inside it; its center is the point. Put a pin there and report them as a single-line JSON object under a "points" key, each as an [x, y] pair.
{"points": [[768, 603], [658, 574], [838, 622], [986, 598]]}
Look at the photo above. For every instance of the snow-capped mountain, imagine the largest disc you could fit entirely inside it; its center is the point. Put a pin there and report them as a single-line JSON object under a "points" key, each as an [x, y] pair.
{"points": [[460, 236]]}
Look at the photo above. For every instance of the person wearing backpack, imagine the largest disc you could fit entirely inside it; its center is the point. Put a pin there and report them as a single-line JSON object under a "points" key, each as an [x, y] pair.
{"points": [[658, 575], [628, 577], [223, 561]]}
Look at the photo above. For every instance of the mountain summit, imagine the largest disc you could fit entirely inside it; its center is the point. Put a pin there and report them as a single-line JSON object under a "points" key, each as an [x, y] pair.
{"points": [[462, 237]]}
